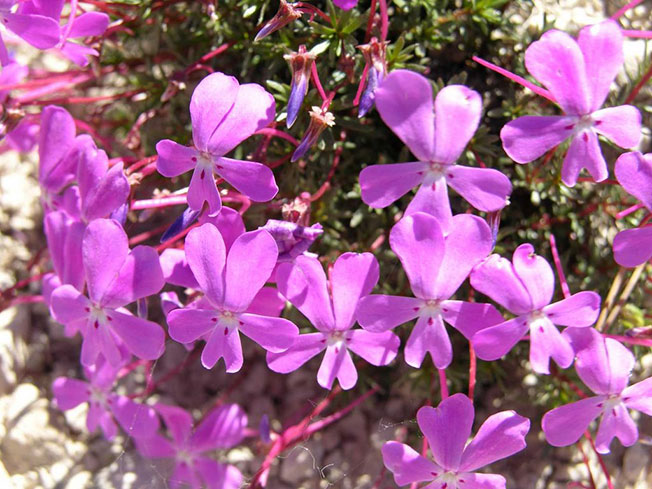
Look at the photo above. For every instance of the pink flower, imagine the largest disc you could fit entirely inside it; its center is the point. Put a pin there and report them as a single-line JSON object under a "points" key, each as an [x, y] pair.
{"points": [[436, 266], [303, 282], [437, 139], [525, 288], [578, 75], [222, 428], [447, 429], [38, 30], [224, 113], [230, 284], [605, 366]]}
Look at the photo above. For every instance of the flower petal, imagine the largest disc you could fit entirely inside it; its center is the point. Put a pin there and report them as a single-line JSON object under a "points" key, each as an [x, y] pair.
{"points": [[579, 310], [145, 339], [432, 198], [337, 363], [203, 189], [304, 285], [468, 242], [175, 159], [89, 24], [223, 427], [109, 194], [57, 166], [249, 265], [206, 255], [500, 436], [447, 428], [485, 189], [379, 313], [633, 247], [176, 270], [252, 179], [104, 250], [376, 348], [418, 242], [495, 341], [470, 317], [536, 274], [558, 63], [268, 302], [228, 222], [528, 137], [634, 172], [616, 423], [547, 342], [621, 125], [429, 335], [481, 481], [584, 152], [457, 114], [352, 277], [155, 446], [380, 185], [138, 420], [602, 48], [221, 345], [217, 475], [639, 396], [178, 422], [187, 325], [38, 30], [404, 102], [253, 109], [511, 294], [273, 334], [210, 103], [69, 305], [565, 425], [69, 393], [407, 465], [305, 347]]}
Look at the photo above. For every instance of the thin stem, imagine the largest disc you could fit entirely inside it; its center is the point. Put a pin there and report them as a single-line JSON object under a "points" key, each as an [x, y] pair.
{"points": [[443, 383], [363, 80], [600, 460], [71, 21], [315, 79], [472, 371], [518, 79], [138, 205], [619, 13], [639, 85], [270, 131], [632, 341], [637, 34], [629, 210], [310, 8], [585, 459], [560, 270], [370, 22], [611, 297], [384, 20], [629, 287]]}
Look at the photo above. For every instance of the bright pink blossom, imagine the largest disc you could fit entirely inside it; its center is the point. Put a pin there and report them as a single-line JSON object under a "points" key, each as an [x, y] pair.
{"points": [[304, 283], [437, 138], [37, 29], [525, 288], [447, 429], [605, 366], [578, 74], [224, 113], [222, 428], [436, 266]]}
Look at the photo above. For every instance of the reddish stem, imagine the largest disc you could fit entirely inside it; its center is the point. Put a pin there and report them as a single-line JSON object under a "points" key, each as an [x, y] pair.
{"points": [[443, 383], [629, 210], [472, 371], [363, 81], [585, 459], [384, 20], [370, 21], [560, 271], [138, 205], [639, 85], [619, 13], [270, 131], [600, 460], [315, 80]]}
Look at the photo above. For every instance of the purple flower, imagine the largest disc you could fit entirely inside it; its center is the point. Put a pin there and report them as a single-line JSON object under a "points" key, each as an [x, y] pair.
{"points": [[287, 12], [525, 288], [11, 73], [320, 119], [605, 366], [38, 30], [352, 277], [292, 239], [345, 4], [222, 428], [578, 74], [229, 283], [115, 277], [436, 266], [105, 407], [634, 172], [447, 429], [301, 64], [223, 113], [437, 139], [375, 55]]}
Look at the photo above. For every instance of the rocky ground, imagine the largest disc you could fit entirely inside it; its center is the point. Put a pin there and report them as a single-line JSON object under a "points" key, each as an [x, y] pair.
{"points": [[41, 447]]}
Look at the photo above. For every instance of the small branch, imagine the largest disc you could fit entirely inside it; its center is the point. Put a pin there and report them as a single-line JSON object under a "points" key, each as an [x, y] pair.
{"points": [[560, 271], [611, 297], [629, 287]]}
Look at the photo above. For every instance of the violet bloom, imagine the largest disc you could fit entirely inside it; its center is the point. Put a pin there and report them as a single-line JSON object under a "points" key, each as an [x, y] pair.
{"points": [[222, 428], [437, 138], [38, 30], [605, 366], [578, 75], [436, 266], [292, 239], [105, 407], [447, 429], [115, 277], [300, 64], [634, 172], [525, 288], [229, 283], [352, 277], [345, 4], [224, 113]]}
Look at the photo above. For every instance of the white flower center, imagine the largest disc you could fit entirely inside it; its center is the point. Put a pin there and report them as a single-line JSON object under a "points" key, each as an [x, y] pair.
{"points": [[336, 338], [538, 320], [228, 320], [448, 480]]}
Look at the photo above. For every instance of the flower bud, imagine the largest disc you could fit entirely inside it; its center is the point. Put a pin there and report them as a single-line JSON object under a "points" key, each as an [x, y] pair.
{"points": [[287, 13], [301, 64], [319, 120]]}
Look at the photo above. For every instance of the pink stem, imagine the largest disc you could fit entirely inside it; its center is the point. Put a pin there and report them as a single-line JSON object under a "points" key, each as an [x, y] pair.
{"points": [[370, 22], [71, 21], [26, 299], [518, 79], [560, 271], [270, 131], [472, 370], [363, 80], [631, 341], [637, 34], [384, 20], [619, 13], [629, 210], [317, 82], [442, 383], [138, 205]]}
